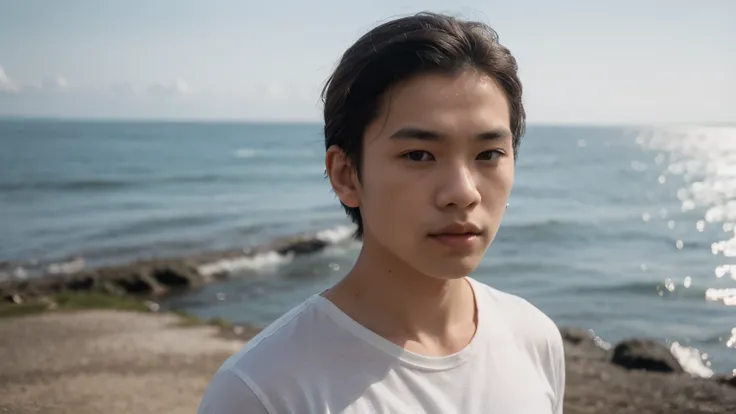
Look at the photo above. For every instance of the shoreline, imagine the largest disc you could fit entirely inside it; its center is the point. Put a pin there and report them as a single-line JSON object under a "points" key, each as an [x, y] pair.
{"points": [[597, 376], [158, 277]]}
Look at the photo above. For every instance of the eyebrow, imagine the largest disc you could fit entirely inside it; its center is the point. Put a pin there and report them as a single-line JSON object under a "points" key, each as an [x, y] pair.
{"points": [[413, 133]]}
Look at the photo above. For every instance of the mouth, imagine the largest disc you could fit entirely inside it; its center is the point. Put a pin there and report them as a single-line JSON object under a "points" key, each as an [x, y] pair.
{"points": [[456, 241], [457, 229], [458, 236]]}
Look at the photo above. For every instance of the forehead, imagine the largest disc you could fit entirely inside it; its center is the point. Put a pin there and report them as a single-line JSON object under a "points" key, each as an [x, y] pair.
{"points": [[464, 104]]}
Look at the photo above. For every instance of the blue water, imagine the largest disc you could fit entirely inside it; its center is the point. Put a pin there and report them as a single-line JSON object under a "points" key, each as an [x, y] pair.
{"points": [[113, 192], [624, 231]]}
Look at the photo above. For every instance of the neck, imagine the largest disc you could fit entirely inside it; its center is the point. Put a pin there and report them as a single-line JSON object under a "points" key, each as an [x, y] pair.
{"points": [[389, 297]]}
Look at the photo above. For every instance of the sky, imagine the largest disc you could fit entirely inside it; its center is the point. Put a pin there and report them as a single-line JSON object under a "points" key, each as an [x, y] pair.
{"points": [[581, 62]]}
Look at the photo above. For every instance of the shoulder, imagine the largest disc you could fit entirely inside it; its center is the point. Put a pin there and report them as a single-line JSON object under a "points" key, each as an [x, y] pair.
{"points": [[533, 332], [526, 321], [228, 393], [266, 360], [292, 340]]}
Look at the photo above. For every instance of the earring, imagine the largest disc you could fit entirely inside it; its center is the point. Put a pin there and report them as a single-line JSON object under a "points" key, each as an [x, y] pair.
{"points": [[507, 205]]}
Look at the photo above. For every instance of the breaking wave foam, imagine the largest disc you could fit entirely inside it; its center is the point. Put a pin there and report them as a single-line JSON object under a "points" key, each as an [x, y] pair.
{"points": [[272, 259], [337, 234], [692, 360], [260, 261]]}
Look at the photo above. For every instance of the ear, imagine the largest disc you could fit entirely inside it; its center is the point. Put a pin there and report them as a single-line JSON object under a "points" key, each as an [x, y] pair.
{"points": [[342, 175]]}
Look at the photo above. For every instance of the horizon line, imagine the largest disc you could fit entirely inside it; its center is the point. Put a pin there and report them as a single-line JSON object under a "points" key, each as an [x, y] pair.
{"points": [[296, 121]]}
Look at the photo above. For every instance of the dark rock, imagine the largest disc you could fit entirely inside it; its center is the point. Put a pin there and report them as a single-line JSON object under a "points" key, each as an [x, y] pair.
{"points": [[136, 285], [151, 277], [174, 276], [576, 336], [17, 299], [647, 355], [583, 344], [301, 246], [111, 288], [725, 379], [81, 284]]}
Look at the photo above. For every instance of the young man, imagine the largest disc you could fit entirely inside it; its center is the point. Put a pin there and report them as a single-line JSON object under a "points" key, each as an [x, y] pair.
{"points": [[423, 118]]}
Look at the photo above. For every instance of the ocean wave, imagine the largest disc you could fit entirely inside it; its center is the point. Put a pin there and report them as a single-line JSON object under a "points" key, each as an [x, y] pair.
{"points": [[575, 232], [66, 268], [261, 261], [665, 288], [336, 234], [501, 265], [73, 185], [157, 224], [691, 360], [256, 258], [201, 178], [726, 338], [280, 252], [137, 182], [245, 153], [34, 268], [549, 230], [123, 252]]}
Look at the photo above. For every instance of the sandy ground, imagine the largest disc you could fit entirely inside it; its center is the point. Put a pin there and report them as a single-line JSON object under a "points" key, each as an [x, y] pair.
{"points": [[123, 362], [106, 362]]}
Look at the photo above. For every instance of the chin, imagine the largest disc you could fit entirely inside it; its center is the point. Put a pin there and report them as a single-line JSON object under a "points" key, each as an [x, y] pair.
{"points": [[449, 268]]}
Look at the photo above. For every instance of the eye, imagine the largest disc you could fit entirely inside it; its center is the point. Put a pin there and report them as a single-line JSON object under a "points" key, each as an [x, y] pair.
{"points": [[490, 155], [418, 156]]}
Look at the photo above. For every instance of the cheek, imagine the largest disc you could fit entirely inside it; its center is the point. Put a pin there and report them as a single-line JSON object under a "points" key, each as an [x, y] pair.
{"points": [[495, 191], [500, 182], [388, 197]]}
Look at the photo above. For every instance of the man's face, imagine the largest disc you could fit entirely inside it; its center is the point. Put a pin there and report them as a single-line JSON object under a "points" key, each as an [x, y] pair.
{"points": [[438, 168]]}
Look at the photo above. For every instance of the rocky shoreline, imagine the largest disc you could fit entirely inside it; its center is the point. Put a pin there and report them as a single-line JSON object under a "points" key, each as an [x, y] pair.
{"points": [[637, 376], [156, 277], [597, 377]]}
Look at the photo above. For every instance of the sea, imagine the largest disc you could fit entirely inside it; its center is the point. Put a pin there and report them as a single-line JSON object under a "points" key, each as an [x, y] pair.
{"points": [[625, 231]]}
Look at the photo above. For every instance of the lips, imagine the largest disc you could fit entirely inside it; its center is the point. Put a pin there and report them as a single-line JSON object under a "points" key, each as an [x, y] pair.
{"points": [[458, 235], [458, 229]]}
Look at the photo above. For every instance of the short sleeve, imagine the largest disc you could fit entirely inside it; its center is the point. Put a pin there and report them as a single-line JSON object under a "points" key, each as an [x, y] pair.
{"points": [[229, 394]]}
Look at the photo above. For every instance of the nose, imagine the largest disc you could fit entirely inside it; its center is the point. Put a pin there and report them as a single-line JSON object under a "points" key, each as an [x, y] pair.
{"points": [[457, 188]]}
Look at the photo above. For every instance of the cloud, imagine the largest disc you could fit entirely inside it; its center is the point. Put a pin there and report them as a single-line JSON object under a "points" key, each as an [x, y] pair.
{"points": [[59, 96], [57, 83], [7, 84], [124, 89], [179, 87], [284, 91]]}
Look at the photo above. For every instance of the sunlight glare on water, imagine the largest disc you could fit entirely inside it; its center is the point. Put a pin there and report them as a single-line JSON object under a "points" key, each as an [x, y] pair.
{"points": [[705, 159]]}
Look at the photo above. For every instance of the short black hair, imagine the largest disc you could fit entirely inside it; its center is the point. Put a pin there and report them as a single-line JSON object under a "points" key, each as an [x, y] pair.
{"points": [[401, 49]]}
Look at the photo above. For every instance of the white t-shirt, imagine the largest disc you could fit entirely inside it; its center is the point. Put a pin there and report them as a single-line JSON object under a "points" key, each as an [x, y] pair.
{"points": [[315, 359]]}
